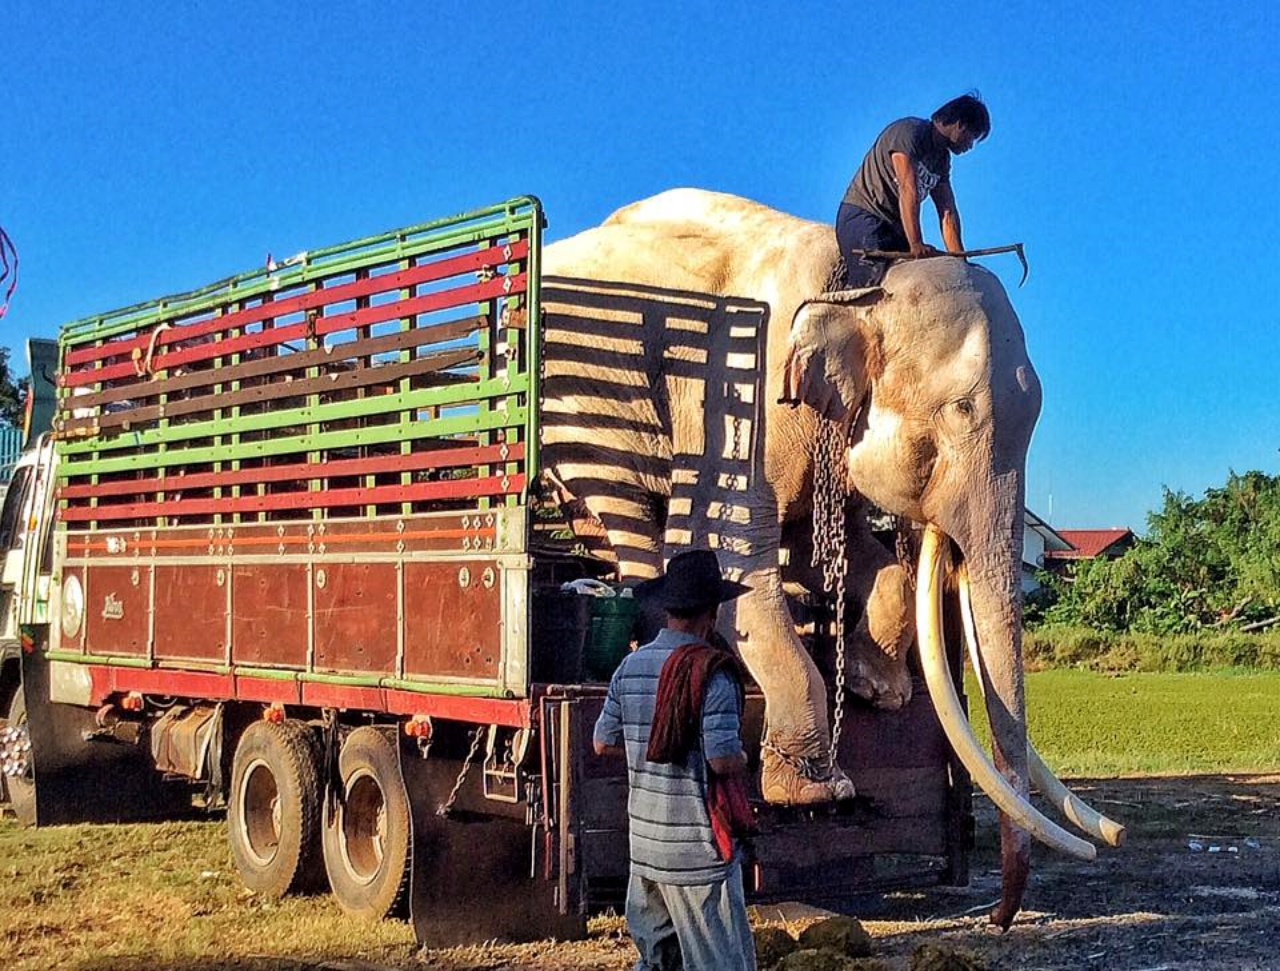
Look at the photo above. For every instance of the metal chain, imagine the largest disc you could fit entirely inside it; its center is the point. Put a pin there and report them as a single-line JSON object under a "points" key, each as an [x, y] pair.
{"points": [[462, 776], [902, 548], [830, 547]]}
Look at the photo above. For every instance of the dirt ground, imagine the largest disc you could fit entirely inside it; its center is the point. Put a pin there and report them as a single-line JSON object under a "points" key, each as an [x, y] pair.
{"points": [[1196, 886]]}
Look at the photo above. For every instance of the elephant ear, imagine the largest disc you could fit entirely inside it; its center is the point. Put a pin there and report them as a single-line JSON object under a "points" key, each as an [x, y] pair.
{"points": [[833, 355]]}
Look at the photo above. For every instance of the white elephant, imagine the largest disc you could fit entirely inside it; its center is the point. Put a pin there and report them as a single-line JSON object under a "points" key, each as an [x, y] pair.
{"points": [[681, 335]]}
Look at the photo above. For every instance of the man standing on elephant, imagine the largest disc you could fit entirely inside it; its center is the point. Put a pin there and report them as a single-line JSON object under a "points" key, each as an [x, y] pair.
{"points": [[910, 159], [674, 710]]}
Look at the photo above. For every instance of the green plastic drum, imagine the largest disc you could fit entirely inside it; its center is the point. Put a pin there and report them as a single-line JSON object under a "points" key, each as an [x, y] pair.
{"points": [[612, 619]]}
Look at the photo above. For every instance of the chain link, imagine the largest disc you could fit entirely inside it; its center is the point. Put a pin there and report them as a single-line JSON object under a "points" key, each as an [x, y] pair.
{"points": [[462, 776], [830, 547]]}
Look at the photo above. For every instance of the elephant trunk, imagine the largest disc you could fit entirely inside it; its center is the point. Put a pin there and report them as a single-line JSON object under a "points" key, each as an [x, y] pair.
{"points": [[990, 540], [997, 608]]}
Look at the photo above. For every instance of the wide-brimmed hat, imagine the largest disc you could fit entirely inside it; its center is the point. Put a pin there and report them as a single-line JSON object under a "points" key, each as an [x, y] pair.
{"points": [[692, 581]]}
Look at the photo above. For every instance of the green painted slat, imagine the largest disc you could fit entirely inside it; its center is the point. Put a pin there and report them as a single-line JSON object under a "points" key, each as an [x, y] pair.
{"points": [[346, 438], [515, 216], [265, 674], [460, 394], [445, 688]]}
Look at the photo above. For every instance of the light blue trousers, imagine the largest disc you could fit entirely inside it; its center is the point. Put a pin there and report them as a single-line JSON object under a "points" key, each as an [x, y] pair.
{"points": [[697, 928]]}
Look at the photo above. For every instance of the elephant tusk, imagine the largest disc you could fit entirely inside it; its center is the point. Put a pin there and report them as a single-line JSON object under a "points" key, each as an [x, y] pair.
{"points": [[943, 692], [1072, 806]]}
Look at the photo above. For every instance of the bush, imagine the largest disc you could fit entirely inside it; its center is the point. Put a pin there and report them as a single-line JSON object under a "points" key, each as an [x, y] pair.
{"points": [[1111, 652]]}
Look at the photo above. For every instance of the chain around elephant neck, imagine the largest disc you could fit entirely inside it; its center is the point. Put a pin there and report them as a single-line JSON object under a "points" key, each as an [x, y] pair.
{"points": [[830, 549]]}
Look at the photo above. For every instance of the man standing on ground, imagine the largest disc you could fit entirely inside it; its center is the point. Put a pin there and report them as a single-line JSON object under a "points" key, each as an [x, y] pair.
{"points": [[910, 159], [685, 902]]}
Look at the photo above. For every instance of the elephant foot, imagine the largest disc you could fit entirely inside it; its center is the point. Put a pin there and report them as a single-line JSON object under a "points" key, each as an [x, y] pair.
{"points": [[788, 780]]}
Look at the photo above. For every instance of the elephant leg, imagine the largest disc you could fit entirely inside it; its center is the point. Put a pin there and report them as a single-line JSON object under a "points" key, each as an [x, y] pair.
{"points": [[795, 753], [876, 664], [879, 593]]}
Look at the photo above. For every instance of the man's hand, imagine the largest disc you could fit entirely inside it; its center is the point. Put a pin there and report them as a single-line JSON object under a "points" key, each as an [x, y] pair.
{"points": [[729, 765], [603, 749], [922, 249]]}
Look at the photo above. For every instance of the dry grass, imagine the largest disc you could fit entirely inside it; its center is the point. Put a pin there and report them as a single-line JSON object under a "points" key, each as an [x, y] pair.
{"points": [[162, 896]]}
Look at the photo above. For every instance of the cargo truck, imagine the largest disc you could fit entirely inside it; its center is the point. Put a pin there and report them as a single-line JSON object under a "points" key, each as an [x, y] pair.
{"points": [[286, 552]]}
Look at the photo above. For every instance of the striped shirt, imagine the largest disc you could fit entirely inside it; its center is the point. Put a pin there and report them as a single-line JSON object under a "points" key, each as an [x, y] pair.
{"points": [[671, 838]]}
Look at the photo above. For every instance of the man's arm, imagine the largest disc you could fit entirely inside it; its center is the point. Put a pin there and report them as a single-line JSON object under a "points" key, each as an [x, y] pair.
{"points": [[722, 727], [948, 216], [607, 737], [909, 200]]}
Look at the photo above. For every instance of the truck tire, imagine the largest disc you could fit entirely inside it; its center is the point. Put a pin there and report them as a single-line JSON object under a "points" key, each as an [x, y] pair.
{"points": [[274, 813], [21, 789], [367, 843]]}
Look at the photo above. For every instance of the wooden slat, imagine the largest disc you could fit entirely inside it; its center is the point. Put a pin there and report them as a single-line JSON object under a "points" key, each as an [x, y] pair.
{"points": [[271, 310], [327, 499], [330, 383], [411, 462], [209, 351], [149, 388]]}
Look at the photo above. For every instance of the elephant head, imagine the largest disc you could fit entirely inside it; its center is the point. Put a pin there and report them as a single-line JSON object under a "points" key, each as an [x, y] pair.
{"points": [[930, 374]]}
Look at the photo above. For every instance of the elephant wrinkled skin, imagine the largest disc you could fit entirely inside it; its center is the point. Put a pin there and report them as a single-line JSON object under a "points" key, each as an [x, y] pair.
{"points": [[928, 373]]}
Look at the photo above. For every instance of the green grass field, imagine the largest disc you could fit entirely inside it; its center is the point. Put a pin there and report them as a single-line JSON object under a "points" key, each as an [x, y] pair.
{"points": [[1095, 725], [146, 897]]}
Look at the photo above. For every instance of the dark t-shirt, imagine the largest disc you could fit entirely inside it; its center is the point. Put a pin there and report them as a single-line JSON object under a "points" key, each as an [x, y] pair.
{"points": [[875, 187]]}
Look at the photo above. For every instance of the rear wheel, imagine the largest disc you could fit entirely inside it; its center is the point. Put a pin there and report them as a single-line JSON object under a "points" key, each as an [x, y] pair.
{"points": [[18, 776], [274, 815], [367, 831]]}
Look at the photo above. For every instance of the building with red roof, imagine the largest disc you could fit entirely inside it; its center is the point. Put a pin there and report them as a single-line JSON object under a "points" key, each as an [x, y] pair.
{"points": [[1090, 544]]}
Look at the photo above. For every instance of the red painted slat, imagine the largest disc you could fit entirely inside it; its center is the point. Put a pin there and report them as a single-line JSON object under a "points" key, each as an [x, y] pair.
{"points": [[481, 711], [351, 697], [415, 461], [426, 273], [422, 491], [443, 300], [268, 690], [178, 684], [106, 681]]}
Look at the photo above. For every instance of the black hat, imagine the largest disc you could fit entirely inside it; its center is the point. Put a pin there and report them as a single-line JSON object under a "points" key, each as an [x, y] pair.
{"points": [[692, 581]]}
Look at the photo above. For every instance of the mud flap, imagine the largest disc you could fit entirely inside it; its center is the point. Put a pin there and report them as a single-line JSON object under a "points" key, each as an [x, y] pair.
{"points": [[80, 781], [471, 879]]}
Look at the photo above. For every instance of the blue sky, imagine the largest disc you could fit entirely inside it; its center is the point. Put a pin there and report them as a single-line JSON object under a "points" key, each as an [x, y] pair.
{"points": [[150, 148]]}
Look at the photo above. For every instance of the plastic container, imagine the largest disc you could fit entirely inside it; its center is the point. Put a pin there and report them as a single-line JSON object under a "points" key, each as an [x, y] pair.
{"points": [[612, 620]]}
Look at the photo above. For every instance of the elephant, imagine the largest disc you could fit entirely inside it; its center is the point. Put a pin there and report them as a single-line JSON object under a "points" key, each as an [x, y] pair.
{"points": [[671, 433]]}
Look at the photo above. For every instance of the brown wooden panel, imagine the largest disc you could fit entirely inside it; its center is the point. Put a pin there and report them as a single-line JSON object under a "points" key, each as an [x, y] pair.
{"points": [[452, 629], [191, 612], [269, 614], [117, 610], [355, 618]]}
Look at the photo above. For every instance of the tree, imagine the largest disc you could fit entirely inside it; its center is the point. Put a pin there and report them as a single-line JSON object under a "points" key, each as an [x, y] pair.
{"points": [[12, 394], [1211, 562]]}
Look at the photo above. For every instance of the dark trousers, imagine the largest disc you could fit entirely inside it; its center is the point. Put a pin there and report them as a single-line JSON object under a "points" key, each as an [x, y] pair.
{"points": [[857, 230]]}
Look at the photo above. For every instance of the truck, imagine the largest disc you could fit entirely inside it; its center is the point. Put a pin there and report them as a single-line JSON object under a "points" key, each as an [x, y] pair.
{"points": [[285, 553]]}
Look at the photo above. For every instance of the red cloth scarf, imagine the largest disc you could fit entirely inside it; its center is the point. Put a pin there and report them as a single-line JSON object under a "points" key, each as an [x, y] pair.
{"points": [[677, 729]]}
